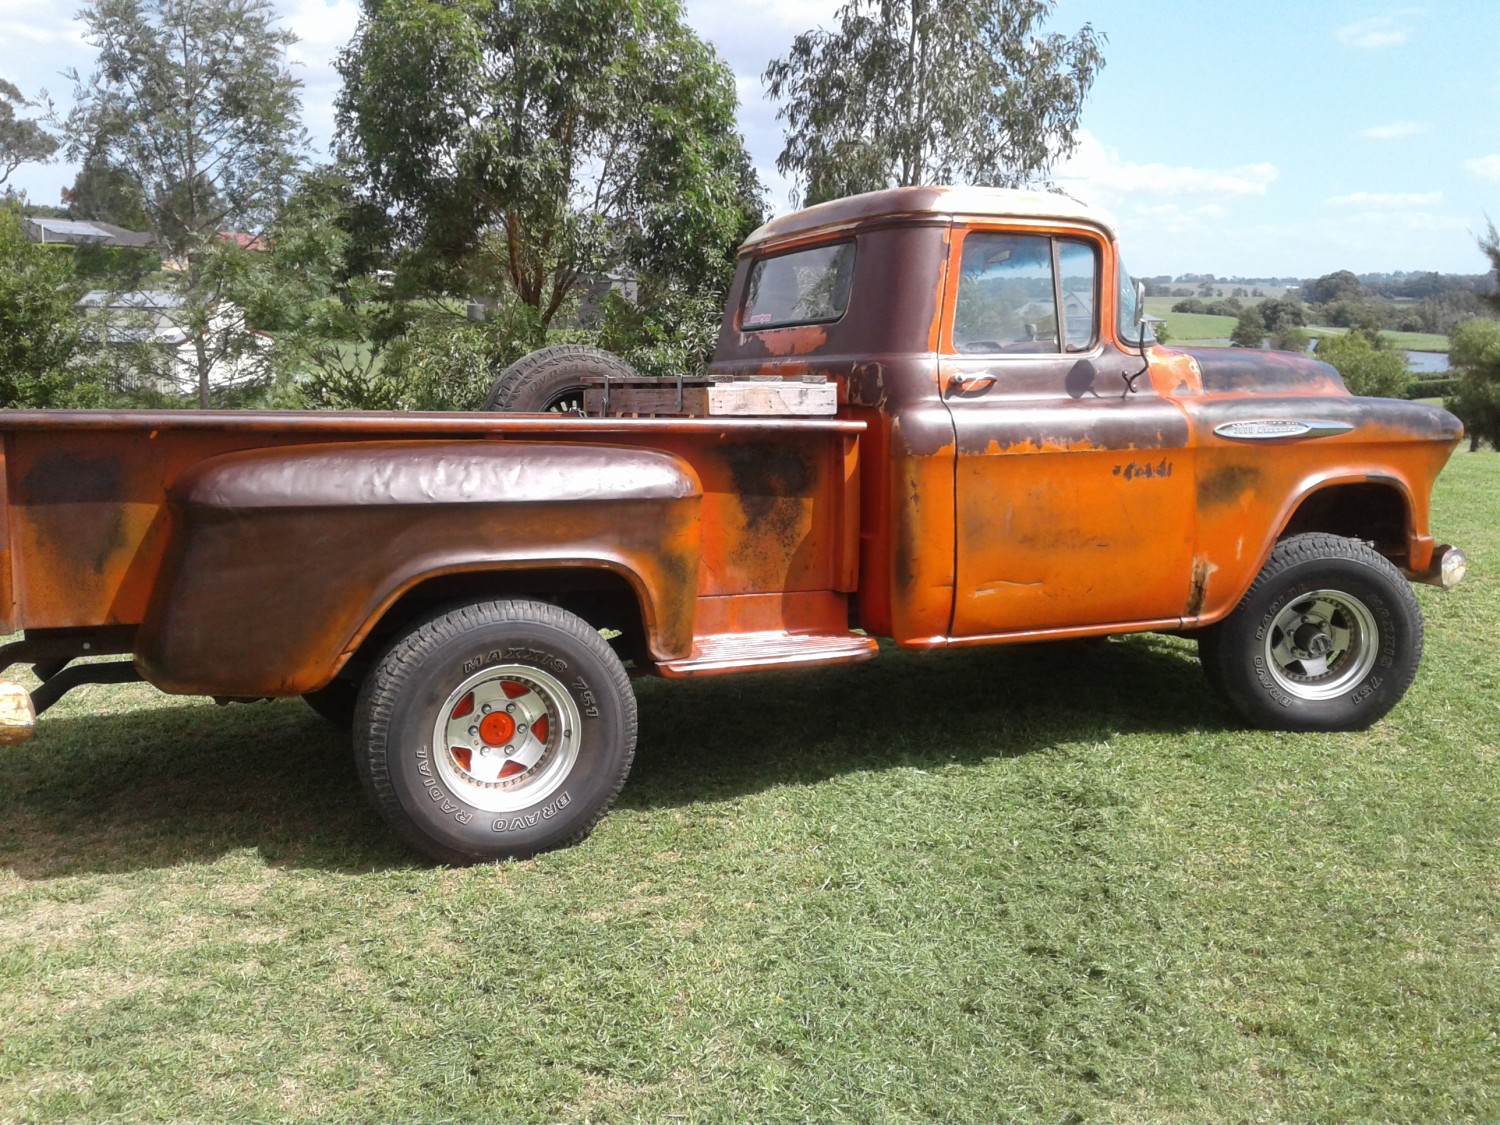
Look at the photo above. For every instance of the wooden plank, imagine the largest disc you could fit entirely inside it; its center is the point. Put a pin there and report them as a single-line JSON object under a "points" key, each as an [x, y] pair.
{"points": [[759, 399]]}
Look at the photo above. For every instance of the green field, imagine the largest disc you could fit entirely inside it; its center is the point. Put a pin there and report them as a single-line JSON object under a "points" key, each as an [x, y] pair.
{"points": [[1031, 884], [1193, 328]]}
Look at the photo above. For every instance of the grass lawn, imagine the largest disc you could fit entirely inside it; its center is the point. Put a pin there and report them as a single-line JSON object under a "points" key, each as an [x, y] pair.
{"points": [[1188, 329], [1034, 884], [1402, 341]]}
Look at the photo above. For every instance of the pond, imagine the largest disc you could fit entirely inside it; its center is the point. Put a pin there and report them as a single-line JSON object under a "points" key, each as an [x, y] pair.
{"points": [[1425, 363]]}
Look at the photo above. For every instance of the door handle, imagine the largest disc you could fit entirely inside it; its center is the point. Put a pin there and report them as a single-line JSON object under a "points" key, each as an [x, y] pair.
{"points": [[960, 382]]}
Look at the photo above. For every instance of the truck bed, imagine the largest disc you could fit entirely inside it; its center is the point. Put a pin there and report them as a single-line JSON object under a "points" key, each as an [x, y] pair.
{"points": [[90, 522]]}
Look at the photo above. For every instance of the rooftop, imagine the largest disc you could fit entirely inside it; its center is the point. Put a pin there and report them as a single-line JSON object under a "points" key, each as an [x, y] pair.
{"points": [[954, 202]]}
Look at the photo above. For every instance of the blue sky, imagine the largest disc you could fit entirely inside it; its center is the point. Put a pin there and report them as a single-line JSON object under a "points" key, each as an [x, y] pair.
{"points": [[1254, 139]]}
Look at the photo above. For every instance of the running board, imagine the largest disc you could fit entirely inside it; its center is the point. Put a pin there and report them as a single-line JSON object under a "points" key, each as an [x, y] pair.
{"points": [[737, 652]]}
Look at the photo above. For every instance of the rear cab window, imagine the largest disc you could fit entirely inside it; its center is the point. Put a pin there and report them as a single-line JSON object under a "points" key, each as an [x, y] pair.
{"points": [[801, 287], [1010, 288]]}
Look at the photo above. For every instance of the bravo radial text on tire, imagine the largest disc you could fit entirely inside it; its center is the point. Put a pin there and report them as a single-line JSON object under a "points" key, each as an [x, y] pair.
{"points": [[496, 730]]}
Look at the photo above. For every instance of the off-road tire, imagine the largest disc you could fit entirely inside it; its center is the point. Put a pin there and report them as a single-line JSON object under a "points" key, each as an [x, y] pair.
{"points": [[1327, 638], [419, 758], [551, 380]]}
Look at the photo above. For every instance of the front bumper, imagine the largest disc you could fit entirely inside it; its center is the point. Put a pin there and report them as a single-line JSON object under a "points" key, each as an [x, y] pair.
{"points": [[1447, 569]]}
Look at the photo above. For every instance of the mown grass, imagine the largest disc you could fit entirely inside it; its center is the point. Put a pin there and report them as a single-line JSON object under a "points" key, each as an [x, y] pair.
{"points": [[1402, 341], [1203, 328], [1016, 885]]}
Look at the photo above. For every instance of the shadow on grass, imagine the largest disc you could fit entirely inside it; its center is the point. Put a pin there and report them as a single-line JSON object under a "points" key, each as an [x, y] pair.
{"points": [[178, 783]]}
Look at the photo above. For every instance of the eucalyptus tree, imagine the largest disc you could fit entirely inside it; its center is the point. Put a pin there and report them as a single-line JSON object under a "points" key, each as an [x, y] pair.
{"points": [[538, 143], [931, 92], [22, 140], [193, 104]]}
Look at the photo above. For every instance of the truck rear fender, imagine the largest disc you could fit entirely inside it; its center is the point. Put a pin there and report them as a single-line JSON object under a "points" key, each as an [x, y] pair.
{"points": [[281, 562]]}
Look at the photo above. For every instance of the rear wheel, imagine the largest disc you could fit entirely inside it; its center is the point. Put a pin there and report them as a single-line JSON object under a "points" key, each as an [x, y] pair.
{"points": [[1328, 637], [495, 730], [551, 380]]}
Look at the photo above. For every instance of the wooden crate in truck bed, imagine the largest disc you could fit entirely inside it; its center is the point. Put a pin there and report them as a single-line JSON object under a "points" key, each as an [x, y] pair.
{"points": [[705, 397]]}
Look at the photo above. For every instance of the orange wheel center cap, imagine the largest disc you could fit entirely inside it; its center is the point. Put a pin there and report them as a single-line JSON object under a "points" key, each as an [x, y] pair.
{"points": [[497, 728]]}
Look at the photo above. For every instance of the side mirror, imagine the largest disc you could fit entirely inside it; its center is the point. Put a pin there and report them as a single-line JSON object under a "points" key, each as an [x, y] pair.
{"points": [[1140, 304]]}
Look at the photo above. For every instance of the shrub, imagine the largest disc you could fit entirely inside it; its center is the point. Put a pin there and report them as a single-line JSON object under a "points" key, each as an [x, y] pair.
{"points": [[1365, 370]]}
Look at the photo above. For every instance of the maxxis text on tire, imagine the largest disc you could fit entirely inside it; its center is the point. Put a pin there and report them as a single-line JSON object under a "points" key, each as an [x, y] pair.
{"points": [[1328, 637], [551, 380], [495, 730]]}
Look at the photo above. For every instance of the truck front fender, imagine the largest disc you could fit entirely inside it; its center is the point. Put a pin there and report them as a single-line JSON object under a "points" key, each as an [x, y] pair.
{"points": [[280, 560]]}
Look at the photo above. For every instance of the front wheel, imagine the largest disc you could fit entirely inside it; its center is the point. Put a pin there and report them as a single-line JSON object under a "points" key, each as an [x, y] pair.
{"points": [[1328, 637], [495, 731]]}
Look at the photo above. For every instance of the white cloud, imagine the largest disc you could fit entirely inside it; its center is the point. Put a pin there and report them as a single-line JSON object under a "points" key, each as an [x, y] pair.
{"points": [[1378, 32], [1097, 170], [1485, 167], [1383, 200], [1395, 131], [322, 27]]}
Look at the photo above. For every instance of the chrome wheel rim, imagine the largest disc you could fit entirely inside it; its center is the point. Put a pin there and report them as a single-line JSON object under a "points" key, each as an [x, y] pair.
{"points": [[1321, 644], [506, 737]]}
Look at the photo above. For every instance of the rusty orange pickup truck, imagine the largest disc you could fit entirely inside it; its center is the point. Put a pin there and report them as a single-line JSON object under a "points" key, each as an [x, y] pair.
{"points": [[933, 416]]}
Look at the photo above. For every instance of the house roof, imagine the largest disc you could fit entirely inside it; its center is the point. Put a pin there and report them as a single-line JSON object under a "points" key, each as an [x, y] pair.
{"points": [[244, 241], [141, 300], [80, 231]]}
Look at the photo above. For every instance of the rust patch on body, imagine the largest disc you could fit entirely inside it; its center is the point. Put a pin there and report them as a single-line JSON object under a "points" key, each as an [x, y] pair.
{"points": [[1199, 588], [1227, 484]]}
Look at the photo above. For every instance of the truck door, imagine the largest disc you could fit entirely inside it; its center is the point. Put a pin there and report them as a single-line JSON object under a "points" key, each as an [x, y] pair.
{"points": [[1073, 478]]}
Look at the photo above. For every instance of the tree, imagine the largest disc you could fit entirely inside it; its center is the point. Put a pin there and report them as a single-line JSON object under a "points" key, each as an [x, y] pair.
{"points": [[45, 361], [193, 104], [1341, 285], [21, 141], [930, 92], [1474, 353], [1282, 312], [1365, 370], [1490, 244], [1250, 331], [1290, 338], [537, 143], [108, 194]]}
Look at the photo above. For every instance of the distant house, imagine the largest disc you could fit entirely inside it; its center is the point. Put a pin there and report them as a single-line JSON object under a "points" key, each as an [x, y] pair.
{"points": [[154, 318], [77, 232]]}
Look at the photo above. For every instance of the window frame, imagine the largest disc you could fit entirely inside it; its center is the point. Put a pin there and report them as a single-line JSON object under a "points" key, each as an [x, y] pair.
{"points": [[1083, 237]]}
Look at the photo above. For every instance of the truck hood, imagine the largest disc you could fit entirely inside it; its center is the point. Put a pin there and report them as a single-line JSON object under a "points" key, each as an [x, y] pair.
{"points": [[1247, 371]]}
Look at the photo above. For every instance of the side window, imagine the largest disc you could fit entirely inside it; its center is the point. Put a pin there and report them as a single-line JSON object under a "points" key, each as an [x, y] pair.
{"points": [[1008, 295], [803, 287], [1076, 269]]}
